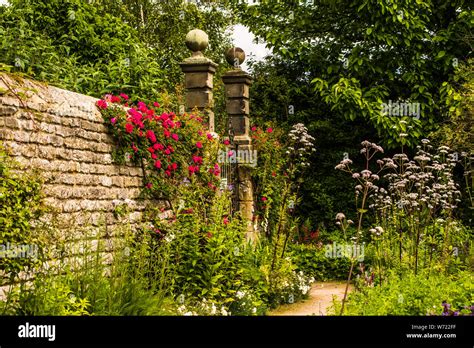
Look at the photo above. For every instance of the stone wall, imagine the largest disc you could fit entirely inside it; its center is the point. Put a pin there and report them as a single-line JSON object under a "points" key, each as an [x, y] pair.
{"points": [[62, 134]]}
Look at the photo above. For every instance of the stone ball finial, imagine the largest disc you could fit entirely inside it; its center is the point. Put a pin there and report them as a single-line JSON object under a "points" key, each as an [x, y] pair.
{"points": [[235, 56], [197, 40]]}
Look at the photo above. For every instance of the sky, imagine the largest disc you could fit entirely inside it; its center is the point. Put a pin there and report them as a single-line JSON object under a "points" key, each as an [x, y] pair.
{"points": [[244, 39]]}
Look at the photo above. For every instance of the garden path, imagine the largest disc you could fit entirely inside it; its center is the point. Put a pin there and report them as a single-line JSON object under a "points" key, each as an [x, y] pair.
{"points": [[320, 299]]}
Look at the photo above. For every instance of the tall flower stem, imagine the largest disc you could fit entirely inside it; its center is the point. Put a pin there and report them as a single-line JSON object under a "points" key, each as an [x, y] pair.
{"points": [[353, 258]]}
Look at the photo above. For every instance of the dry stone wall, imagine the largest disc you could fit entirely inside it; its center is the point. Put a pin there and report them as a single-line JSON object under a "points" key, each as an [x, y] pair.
{"points": [[62, 134]]}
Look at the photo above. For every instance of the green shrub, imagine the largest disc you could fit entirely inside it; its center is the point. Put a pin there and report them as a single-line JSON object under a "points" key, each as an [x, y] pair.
{"points": [[21, 206], [312, 260], [95, 283], [410, 294]]}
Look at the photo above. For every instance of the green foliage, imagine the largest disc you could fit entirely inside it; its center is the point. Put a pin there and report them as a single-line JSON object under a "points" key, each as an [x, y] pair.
{"points": [[96, 282], [21, 206], [163, 25], [364, 53], [312, 260], [205, 254], [414, 295]]}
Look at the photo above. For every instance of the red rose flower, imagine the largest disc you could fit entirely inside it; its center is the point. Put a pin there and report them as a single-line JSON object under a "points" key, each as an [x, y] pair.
{"points": [[158, 164], [124, 96], [269, 130], [129, 128], [102, 104], [151, 136], [199, 145], [175, 137], [115, 99]]}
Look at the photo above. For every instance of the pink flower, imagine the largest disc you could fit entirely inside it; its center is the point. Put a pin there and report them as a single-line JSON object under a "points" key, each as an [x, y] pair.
{"points": [[134, 148], [151, 135], [102, 104], [197, 159], [158, 164], [156, 104], [174, 166], [264, 199], [254, 128], [115, 99], [199, 145], [129, 128], [191, 169], [166, 133], [113, 120], [168, 173], [225, 221], [226, 142], [124, 96], [209, 136], [175, 136], [230, 153], [269, 130], [149, 185], [167, 152], [142, 106], [158, 146], [154, 156]]}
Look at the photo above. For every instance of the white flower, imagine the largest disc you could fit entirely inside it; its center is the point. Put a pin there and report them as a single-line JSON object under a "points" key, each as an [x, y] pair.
{"points": [[254, 310], [213, 309], [169, 237]]}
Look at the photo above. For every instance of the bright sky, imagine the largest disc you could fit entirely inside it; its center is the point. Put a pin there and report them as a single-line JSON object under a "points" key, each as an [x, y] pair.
{"points": [[244, 39]]}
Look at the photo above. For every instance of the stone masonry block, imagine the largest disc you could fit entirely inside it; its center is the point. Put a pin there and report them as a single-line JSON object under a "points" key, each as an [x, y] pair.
{"points": [[237, 106]]}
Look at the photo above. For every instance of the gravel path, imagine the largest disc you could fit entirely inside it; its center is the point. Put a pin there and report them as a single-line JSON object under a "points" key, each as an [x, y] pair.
{"points": [[320, 298]]}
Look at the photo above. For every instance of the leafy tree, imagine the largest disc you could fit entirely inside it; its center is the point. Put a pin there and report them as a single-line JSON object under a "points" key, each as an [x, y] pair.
{"points": [[103, 46], [163, 25], [282, 93], [361, 54]]}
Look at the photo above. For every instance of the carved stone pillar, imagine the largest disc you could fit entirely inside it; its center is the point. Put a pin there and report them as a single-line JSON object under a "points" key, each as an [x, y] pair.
{"points": [[199, 74], [237, 84]]}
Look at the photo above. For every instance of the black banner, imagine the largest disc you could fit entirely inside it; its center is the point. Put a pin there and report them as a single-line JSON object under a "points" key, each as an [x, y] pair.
{"points": [[241, 331]]}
